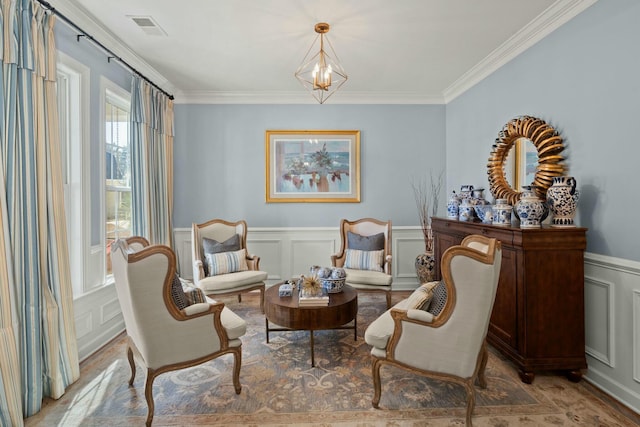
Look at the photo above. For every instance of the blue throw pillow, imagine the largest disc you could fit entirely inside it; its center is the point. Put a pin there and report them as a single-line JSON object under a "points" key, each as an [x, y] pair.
{"points": [[374, 242], [227, 262], [364, 260]]}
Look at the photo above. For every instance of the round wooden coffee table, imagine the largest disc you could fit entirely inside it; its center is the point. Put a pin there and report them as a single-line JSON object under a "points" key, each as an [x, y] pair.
{"points": [[285, 312]]}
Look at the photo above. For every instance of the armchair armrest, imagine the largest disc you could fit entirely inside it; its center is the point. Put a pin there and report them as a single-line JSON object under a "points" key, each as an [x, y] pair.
{"points": [[337, 260], [387, 264], [196, 309], [253, 262], [420, 315], [198, 271], [205, 309]]}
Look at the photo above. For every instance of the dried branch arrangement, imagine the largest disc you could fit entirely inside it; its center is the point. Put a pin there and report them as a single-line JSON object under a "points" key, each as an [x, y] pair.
{"points": [[427, 196]]}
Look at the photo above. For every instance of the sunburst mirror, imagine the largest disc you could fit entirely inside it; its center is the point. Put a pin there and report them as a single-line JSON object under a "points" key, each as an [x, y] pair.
{"points": [[506, 175]]}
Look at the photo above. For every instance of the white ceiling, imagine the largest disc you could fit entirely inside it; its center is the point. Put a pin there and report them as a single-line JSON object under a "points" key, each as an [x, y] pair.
{"points": [[409, 51]]}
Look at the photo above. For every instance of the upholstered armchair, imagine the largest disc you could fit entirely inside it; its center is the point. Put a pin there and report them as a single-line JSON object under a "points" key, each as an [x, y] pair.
{"points": [[161, 336], [450, 344], [365, 255], [221, 263]]}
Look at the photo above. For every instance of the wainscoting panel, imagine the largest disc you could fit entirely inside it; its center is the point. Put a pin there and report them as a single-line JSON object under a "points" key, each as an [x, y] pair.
{"points": [[612, 310], [405, 250], [305, 253], [599, 324], [83, 325], [636, 336], [98, 319], [272, 263]]}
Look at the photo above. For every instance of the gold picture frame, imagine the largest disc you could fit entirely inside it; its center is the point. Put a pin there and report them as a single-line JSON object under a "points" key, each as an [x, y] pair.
{"points": [[312, 166]]}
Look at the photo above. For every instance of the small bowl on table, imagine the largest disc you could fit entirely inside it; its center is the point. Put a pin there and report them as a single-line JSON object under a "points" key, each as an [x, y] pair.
{"points": [[333, 286]]}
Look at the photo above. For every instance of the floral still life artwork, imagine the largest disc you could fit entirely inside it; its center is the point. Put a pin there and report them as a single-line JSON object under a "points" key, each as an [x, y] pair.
{"points": [[313, 166]]}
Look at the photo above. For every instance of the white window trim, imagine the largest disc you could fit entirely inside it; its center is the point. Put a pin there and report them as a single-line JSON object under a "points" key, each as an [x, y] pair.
{"points": [[122, 99], [80, 77]]}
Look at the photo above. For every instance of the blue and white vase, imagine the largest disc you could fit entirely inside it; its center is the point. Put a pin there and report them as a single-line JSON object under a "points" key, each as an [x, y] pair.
{"points": [[452, 206], [502, 212], [530, 209], [562, 198]]}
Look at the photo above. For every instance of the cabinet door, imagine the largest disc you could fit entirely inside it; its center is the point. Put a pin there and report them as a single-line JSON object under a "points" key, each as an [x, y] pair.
{"points": [[504, 318], [442, 243]]}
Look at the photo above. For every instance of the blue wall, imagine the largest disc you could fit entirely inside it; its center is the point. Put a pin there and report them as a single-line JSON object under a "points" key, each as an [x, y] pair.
{"points": [[583, 79], [219, 161]]}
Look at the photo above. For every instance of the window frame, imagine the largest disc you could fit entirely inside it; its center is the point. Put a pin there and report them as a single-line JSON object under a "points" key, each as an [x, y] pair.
{"points": [[121, 98], [77, 180]]}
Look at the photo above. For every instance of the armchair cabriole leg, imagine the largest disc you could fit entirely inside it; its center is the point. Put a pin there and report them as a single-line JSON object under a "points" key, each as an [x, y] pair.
{"points": [[482, 379], [237, 361], [471, 400], [388, 299], [375, 372], [148, 394], [262, 299], [132, 364]]}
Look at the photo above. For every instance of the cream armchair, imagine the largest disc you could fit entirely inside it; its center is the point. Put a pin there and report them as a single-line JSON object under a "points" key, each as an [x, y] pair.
{"points": [[160, 336], [362, 241], [240, 271], [449, 345]]}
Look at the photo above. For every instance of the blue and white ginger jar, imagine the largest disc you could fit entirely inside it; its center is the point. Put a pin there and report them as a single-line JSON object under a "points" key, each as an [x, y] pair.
{"points": [[502, 212], [452, 206], [530, 209]]}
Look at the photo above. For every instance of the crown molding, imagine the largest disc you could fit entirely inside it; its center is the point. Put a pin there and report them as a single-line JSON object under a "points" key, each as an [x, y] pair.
{"points": [[80, 17], [548, 21], [556, 15], [303, 97]]}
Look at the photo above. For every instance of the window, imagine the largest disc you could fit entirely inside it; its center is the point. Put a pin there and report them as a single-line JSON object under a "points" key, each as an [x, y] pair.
{"points": [[72, 93], [117, 172]]}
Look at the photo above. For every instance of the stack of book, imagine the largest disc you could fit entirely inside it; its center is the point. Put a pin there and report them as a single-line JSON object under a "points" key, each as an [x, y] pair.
{"points": [[313, 301]]}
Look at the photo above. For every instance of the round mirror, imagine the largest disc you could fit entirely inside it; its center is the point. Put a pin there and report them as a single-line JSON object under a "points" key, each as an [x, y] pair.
{"points": [[526, 152]]}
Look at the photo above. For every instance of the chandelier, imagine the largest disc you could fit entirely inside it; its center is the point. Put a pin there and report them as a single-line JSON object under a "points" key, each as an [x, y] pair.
{"points": [[320, 71]]}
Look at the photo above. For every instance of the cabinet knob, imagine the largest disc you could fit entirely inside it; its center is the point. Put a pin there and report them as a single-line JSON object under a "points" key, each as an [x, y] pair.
{"points": [[484, 231]]}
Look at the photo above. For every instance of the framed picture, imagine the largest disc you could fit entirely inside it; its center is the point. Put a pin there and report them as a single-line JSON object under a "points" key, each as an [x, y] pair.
{"points": [[310, 166]]}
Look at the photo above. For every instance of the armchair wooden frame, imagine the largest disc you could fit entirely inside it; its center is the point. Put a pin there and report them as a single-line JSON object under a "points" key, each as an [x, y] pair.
{"points": [[214, 311], [471, 247], [253, 261], [338, 260]]}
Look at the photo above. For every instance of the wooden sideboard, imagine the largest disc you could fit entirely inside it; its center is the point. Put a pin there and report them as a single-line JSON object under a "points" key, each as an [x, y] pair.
{"points": [[538, 315]]}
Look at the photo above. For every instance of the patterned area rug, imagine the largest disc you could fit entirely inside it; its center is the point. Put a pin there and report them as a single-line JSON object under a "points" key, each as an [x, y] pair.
{"points": [[279, 387]]}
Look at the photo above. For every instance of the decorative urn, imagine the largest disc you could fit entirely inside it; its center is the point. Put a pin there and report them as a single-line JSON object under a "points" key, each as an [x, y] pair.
{"points": [[562, 198]]}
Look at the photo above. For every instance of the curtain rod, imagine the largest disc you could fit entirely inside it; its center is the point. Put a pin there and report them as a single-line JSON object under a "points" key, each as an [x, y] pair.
{"points": [[103, 47]]}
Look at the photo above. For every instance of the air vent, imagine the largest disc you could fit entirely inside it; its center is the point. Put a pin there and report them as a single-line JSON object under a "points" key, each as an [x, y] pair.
{"points": [[148, 25]]}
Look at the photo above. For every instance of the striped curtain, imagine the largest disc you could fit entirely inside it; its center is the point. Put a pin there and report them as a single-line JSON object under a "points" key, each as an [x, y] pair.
{"points": [[151, 162], [38, 349]]}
